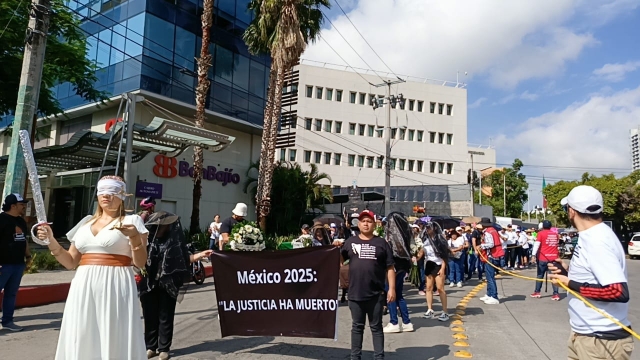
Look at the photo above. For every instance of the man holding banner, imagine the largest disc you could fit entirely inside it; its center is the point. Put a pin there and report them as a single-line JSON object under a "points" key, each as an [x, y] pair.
{"points": [[370, 264]]}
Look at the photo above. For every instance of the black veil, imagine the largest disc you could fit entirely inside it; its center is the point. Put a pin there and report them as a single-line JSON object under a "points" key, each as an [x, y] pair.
{"points": [[168, 257], [438, 241], [398, 234]]}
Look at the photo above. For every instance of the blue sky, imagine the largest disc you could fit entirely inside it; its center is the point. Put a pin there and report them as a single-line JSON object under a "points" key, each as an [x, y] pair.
{"points": [[555, 83]]}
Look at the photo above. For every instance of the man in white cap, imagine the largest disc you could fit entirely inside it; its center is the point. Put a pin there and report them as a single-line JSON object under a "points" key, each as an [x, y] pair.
{"points": [[238, 214], [598, 272]]}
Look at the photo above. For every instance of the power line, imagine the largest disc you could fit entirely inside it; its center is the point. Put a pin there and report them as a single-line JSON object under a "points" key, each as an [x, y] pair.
{"points": [[365, 40], [345, 61], [11, 18]]}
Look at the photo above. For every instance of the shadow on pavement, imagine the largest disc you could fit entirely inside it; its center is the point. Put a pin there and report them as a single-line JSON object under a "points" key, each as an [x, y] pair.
{"points": [[54, 324], [324, 352], [513, 298], [224, 346]]}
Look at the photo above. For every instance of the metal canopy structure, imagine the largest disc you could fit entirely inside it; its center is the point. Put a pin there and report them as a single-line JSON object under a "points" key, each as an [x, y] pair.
{"points": [[86, 149]]}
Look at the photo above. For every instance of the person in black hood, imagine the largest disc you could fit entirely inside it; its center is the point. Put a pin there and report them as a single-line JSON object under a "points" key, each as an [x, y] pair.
{"points": [[436, 252], [167, 270]]}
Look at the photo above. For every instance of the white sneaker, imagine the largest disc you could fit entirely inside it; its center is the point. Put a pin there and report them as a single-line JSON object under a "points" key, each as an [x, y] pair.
{"points": [[459, 284], [390, 328], [484, 298], [492, 301], [443, 317], [429, 314], [452, 284], [407, 327]]}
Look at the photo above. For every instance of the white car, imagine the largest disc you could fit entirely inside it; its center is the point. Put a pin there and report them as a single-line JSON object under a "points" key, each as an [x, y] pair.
{"points": [[634, 247]]}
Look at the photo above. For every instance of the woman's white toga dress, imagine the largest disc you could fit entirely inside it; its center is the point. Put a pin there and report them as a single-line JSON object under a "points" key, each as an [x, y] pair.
{"points": [[102, 316]]}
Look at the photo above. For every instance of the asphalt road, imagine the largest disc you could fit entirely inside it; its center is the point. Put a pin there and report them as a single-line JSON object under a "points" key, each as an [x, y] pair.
{"points": [[519, 326]]}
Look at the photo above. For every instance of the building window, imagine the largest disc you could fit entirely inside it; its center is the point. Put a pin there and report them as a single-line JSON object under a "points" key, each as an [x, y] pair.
{"points": [[420, 134], [309, 91], [307, 124], [370, 130], [440, 138], [392, 164], [328, 124], [352, 160], [283, 154], [449, 139], [411, 134], [360, 160], [369, 161], [432, 108], [380, 132], [432, 137], [318, 124], [352, 97], [292, 154], [440, 108], [372, 98], [440, 167], [329, 94], [402, 132], [327, 158], [307, 156], [401, 164], [363, 97], [411, 104], [317, 157], [361, 129], [337, 159], [449, 168], [352, 129], [338, 127], [432, 166], [411, 162], [339, 95], [380, 162], [449, 110], [420, 105], [318, 92], [419, 169], [393, 133]]}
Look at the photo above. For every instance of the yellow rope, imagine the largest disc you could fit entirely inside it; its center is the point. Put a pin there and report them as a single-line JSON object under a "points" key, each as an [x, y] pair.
{"points": [[578, 296]]}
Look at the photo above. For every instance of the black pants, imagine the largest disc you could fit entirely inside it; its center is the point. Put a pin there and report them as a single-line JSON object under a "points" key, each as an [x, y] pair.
{"points": [[510, 256], [360, 310], [158, 309]]}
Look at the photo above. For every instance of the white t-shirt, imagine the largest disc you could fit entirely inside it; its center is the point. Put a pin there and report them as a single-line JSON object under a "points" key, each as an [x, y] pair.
{"points": [[455, 244], [598, 258], [215, 230], [522, 240], [430, 254], [512, 238]]}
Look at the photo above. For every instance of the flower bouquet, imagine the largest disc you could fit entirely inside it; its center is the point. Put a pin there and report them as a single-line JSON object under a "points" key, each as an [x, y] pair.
{"points": [[379, 231], [246, 236], [304, 241], [414, 275]]}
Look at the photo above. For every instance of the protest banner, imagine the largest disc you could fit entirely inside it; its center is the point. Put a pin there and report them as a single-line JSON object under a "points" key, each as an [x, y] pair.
{"points": [[278, 293]]}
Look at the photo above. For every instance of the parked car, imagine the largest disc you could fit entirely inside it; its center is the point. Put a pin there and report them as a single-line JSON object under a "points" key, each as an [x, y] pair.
{"points": [[634, 246]]}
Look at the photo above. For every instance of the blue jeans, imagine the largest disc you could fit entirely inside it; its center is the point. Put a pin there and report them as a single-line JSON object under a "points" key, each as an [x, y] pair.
{"points": [[423, 279], [399, 303], [10, 277], [542, 269], [472, 265], [492, 287], [481, 267], [456, 267]]}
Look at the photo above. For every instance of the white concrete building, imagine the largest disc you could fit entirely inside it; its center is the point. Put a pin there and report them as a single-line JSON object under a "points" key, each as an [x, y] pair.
{"points": [[337, 129], [634, 135]]}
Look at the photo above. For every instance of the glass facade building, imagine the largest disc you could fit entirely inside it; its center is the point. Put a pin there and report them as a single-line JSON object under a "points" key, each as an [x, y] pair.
{"points": [[152, 45]]}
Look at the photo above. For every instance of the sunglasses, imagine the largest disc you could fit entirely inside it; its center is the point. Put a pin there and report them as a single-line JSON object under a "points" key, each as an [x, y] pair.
{"points": [[566, 208]]}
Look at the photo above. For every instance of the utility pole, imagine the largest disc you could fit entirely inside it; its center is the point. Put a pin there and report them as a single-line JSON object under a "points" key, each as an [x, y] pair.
{"points": [[473, 173], [504, 193], [131, 120], [528, 206], [28, 92], [391, 102]]}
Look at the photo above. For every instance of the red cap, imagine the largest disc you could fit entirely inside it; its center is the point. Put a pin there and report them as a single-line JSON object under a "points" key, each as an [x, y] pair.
{"points": [[367, 213]]}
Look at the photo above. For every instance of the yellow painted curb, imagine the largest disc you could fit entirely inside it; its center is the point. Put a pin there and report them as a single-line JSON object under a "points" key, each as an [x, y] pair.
{"points": [[463, 354], [460, 312], [457, 322], [461, 307], [461, 343], [456, 317], [459, 336], [458, 329]]}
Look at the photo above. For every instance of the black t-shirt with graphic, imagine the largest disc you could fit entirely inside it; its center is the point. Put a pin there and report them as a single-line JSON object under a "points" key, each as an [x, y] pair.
{"points": [[368, 263], [13, 241]]}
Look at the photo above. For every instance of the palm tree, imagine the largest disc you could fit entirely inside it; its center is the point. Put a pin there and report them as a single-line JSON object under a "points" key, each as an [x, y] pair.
{"points": [[281, 28], [317, 194], [202, 90]]}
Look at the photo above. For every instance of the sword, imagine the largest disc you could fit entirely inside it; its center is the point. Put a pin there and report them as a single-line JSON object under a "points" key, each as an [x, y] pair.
{"points": [[30, 163]]}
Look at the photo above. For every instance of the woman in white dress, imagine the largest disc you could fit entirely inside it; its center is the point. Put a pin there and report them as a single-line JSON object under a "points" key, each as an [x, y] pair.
{"points": [[102, 317]]}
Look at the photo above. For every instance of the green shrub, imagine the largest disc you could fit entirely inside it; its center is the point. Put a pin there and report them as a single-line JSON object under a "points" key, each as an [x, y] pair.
{"points": [[273, 241], [43, 260]]}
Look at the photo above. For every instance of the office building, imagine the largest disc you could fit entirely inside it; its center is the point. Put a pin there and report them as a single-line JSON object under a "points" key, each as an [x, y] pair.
{"points": [[635, 152]]}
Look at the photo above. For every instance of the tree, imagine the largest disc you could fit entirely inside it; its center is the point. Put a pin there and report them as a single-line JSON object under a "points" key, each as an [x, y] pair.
{"points": [[65, 57], [515, 184], [202, 92], [281, 28], [294, 193]]}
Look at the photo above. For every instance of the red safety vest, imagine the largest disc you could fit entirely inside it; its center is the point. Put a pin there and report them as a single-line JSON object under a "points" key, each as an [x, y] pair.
{"points": [[496, 251]]}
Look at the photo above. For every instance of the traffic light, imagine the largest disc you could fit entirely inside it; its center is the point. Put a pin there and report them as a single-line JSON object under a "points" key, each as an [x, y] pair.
{"points": [[469, 179]]}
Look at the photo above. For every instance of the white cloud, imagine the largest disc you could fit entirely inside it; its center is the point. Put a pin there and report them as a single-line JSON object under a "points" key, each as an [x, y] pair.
{"points": [[526, 95], [529, 96], [508, 41], [616, 72], [477, 103], [585, 136]]}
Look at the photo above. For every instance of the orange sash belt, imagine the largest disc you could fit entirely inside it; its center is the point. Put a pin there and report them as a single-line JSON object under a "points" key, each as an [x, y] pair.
{"points": [[105, 260]]}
